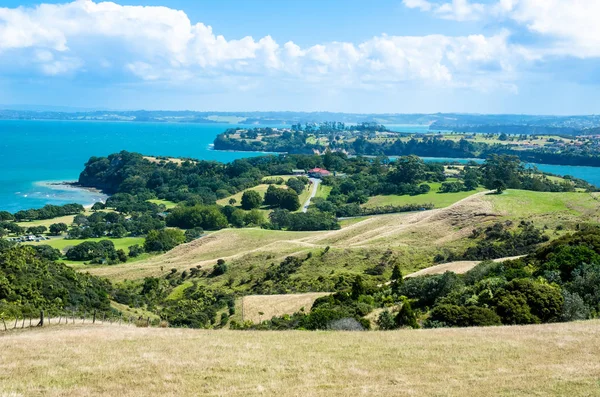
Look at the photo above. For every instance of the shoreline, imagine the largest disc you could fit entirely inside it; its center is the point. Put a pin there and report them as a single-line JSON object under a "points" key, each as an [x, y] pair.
{"points": [[88, 196]]}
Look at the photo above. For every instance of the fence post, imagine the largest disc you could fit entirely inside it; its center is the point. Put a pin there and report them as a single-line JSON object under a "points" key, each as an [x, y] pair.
{"points": [[84, 314], [4, 322], [41, 323], [103, 317], [148, 324], [29, 322], [73, 316], [94, 318]]}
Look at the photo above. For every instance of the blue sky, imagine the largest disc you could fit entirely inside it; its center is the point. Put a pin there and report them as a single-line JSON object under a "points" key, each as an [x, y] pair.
{"points": [[400, 56]]}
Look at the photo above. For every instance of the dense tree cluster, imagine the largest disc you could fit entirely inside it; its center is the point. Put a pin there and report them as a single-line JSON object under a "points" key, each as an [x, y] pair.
{"points": [[47, 212], [30, 282]]}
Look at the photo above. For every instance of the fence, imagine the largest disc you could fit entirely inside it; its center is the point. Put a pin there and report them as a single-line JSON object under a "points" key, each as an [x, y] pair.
{"points": [[71, 318]]}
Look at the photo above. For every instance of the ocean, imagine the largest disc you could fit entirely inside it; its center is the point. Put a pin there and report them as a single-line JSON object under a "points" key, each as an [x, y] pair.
{"points": [[33, 153]]}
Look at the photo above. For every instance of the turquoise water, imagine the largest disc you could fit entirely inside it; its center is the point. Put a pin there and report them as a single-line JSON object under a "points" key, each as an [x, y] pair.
{"points": [[37, 151], [32, 152]]}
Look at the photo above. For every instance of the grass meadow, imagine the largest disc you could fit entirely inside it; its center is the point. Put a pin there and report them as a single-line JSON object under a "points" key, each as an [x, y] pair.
{"points": [[105, 360], [440, 200]]}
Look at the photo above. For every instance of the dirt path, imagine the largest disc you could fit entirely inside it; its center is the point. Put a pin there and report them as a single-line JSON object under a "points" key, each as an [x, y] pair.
{"points": [[458, 267]]}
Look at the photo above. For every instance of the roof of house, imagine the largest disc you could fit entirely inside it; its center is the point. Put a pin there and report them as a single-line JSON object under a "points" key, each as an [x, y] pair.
{"points": [[319, 170]]}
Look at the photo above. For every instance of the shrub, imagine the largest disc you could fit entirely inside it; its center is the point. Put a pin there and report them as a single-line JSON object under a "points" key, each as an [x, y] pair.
{"points": [[406, 317], [345, 324], [251, 199], [163, 240], [385, 321]]}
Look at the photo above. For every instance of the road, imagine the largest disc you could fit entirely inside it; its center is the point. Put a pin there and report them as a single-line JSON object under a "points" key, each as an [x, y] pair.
{"points": [[315, 187]]}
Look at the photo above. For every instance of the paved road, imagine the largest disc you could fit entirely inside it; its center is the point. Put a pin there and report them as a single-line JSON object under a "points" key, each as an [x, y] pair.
{"points": [[315, 186]]}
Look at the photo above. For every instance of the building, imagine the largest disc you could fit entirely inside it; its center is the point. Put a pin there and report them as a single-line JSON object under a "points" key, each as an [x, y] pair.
{"points": [[298, 172], [318, 173]]}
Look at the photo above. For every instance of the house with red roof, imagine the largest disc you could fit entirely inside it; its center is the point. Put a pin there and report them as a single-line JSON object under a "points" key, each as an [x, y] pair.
{"points": [[318, 173]]}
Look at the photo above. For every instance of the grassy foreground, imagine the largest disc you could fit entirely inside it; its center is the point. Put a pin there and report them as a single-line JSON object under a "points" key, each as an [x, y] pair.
{"points": [[541, 360]]}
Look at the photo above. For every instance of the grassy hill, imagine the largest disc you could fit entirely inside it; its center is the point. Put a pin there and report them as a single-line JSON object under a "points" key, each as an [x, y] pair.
{"points": [[542, 360], [414, 238]]}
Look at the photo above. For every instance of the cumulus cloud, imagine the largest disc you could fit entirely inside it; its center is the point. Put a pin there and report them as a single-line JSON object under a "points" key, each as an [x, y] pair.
{"points": [[459, 10], [162, 44], [571, 25]]}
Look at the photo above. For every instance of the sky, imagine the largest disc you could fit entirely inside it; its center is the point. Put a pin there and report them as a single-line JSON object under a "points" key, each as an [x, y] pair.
{"points": [[358, 56]]}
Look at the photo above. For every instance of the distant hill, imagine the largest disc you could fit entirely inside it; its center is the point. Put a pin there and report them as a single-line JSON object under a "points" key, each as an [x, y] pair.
{"points": [[508, 123]]}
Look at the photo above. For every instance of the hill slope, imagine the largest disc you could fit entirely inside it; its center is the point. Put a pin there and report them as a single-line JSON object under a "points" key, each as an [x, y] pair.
{"points": [[545, 360]]}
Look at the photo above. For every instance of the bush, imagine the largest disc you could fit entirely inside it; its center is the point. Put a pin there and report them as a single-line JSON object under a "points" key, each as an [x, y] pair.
{"points": [[193, 234], [461, 316], [251, 199], [406, 317], [136, 250], [345, 324], [163, 240], [219, 269], [385, 321]]}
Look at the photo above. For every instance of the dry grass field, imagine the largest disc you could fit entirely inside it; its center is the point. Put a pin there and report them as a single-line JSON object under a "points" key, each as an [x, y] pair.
{"points": [[458, 267], [414, 235], [275, 305], [540, 360]]}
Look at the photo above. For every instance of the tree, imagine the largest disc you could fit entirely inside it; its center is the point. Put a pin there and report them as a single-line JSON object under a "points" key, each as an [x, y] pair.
{"points": [[358, 288], [406, 317], [163, 240], [251, 199], [499, 186], [254, 217], [6, 216], [57, 229], [289, 200], [396, 279], [296, 184], [98, 205], [385, 321]]}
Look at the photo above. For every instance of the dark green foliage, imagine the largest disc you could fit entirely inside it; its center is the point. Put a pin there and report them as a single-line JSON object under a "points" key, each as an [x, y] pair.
{"points": [[136, 250], [427, 290], [97, 252], [251, 199], [497, 241], [385, 321], [193, 234], [48, 212], [163, 240], [312, 220], [29, 283], [461, 316], [297, 184], [219, 269], [406, 317], [396, 280], [47, 252], [206, 217]]}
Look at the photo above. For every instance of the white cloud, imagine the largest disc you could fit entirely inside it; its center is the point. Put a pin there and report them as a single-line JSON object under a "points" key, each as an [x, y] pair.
{"points": [[162, 44], [571, 25], [422, 5]]}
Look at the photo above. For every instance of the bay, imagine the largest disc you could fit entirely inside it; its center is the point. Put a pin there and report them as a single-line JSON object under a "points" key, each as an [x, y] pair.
{"points": [[34, 152]]}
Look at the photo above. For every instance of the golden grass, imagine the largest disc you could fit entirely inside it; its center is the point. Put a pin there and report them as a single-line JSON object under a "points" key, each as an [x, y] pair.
{"points": [[458, 267], [541, 360], [276, 305]]}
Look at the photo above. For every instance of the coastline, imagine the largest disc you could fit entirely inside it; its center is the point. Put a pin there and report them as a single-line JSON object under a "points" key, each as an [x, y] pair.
{"points": [[71, 191]]}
